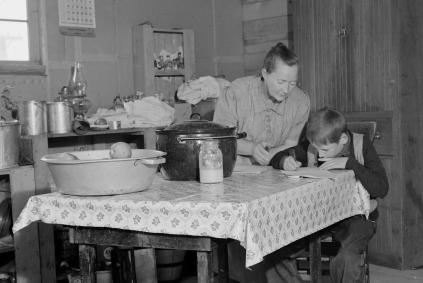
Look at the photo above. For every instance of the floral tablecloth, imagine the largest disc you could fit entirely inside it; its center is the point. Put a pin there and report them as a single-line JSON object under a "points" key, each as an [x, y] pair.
{"points": [[263, 211]]}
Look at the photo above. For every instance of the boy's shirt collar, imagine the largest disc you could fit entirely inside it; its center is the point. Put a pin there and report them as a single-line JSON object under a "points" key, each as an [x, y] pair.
{"points": [[346, 149]]}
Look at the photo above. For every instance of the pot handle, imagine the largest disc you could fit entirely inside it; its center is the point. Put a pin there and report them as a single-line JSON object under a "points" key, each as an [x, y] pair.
{"points": [[237, 136], [241, 135], [183, 139], [150, 161]]}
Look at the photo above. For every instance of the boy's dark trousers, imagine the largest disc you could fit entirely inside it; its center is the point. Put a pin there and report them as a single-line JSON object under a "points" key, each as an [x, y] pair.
{"points": [[353, 234]]}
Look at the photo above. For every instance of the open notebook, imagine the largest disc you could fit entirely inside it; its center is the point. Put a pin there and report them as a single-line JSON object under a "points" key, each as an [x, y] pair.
{"points": [[310, 172]]}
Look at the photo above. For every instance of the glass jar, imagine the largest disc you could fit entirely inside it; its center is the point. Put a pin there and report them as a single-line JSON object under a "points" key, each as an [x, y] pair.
{"points": [[210, 162]]}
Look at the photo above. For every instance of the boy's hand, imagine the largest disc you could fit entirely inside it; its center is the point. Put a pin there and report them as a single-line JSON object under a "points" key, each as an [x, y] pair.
{"points": [[290, 164], [333, 163]]}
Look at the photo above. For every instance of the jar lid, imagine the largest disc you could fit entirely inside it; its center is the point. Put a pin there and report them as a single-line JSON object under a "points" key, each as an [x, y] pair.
{"points": [[197, 127]]}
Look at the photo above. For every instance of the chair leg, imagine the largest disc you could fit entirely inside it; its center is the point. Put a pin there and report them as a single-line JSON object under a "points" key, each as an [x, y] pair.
{"points": [[315, 259], [366, 268]]}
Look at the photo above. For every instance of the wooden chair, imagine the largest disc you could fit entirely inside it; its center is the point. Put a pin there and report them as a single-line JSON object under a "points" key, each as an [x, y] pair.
{"points": [[315, 260]]}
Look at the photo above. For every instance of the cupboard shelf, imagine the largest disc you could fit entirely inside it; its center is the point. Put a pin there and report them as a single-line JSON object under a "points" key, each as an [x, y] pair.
{"points": [[159, 73]]}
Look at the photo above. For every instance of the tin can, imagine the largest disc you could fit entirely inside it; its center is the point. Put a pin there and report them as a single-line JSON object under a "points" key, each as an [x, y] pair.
{"points": [[114, 125]]}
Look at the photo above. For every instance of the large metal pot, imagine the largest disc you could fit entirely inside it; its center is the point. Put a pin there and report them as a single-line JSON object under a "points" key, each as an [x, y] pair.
{"points": [[182, 143], [59, 117], [33, 116]]}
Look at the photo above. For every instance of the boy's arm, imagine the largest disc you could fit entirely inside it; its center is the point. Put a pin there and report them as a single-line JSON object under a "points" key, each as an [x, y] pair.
{"points": [[298, 152], [372, 175]]}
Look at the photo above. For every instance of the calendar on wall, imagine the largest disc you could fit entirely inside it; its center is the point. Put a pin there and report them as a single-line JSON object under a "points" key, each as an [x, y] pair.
{"points": [[77, 17]]}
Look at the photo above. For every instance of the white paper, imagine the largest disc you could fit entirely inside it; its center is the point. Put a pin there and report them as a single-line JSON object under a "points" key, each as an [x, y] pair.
{"points": [[310, 172], [250, 169]]}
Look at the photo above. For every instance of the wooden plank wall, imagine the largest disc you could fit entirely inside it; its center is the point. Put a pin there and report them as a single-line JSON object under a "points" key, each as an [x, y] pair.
{"points": [[411, 69], [265, 23]]}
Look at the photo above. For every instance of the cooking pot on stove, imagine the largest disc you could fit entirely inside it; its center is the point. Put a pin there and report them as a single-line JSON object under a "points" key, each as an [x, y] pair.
{"points": [[182, 143]]}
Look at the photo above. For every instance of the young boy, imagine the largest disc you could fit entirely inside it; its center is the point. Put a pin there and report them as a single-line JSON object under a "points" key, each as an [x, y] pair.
{"points": [[332, 143]]}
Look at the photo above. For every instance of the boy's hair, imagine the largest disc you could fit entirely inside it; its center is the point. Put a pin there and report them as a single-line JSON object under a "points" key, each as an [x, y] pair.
{"points": [[282, 52], [325, 126]]}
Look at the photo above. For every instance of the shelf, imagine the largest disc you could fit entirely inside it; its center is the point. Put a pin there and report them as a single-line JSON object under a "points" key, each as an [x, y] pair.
{"points": [[6, 171], [103, 132], [169, 73], [6, 249]]}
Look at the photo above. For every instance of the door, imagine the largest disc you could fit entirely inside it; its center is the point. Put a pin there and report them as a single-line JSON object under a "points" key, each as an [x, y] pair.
{"points": [[348, 61]]}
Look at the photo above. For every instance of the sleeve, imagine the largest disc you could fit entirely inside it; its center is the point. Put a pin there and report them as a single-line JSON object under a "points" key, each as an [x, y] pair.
{"points": [[312, 155], [301, 119], [225, 111], [298, 152], [372, 174]]}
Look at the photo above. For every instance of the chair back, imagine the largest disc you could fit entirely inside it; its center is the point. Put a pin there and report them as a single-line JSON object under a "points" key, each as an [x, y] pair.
{"points": [[367, 128]]}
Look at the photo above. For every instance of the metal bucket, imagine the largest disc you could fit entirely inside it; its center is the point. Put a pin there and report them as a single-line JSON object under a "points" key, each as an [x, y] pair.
{"points": [[59, 117], [33, 116], [9, 141]]}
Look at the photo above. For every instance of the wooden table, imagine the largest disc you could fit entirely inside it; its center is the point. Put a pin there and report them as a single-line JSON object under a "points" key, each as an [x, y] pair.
{"points": [[264, 212]]}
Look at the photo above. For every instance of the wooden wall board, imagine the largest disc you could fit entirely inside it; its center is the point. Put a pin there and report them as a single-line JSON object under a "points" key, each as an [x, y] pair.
{"points": [[410, 37], [267, 27], [264, 9]]}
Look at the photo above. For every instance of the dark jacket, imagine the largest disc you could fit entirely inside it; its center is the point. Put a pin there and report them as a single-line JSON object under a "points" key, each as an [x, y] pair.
{"points": [[371, 174]]}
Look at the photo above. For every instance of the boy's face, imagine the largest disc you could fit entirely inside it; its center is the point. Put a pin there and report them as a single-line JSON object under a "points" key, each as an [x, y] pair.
{"points": [[331, 150]]}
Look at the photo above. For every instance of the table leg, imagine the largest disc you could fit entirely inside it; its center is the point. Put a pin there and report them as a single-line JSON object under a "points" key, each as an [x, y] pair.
{"points": [[150, 138], [87, 259], [204, 267], [222, 260]]}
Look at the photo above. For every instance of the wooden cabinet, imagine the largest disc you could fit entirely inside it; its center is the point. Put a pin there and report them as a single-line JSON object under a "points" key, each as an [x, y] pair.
{"points": [[25, 242], [163, 59], [363, 58]]}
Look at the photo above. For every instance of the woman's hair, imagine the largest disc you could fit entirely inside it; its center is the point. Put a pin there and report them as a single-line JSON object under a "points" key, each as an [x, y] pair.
{"points": [[325, 126], [282, 52]]}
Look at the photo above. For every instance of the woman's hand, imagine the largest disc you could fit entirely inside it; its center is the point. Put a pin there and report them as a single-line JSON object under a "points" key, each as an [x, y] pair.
{"points": [[333, 163], [260, 154], [290, 164]]}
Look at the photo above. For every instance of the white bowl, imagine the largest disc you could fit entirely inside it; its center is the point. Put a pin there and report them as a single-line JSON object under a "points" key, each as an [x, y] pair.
{"points": [[95, 173]]}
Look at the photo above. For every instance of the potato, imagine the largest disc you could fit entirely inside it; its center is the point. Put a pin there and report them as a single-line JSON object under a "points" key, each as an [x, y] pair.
{"points": [[100, 121], [120, 150]]}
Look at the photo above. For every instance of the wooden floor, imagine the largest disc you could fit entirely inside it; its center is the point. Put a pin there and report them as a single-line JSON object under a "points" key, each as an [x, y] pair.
{"points": [[378, 274]]}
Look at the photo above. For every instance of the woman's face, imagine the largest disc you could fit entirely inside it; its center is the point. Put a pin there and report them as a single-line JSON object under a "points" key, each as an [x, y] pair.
{"points": [[281, 81]]}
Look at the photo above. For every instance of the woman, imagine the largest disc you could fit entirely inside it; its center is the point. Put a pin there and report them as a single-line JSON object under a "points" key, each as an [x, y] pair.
{"points": [[270, 108]]}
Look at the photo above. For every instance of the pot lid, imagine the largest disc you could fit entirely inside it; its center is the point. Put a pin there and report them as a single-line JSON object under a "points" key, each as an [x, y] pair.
{"points": [[197, 127]]}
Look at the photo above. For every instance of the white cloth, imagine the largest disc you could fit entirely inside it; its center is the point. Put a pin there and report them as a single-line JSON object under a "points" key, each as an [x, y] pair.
{"points": [[147, 112], [201, 88]]}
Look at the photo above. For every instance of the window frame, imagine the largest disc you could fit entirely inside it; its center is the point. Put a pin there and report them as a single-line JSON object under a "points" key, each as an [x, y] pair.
{"points": [[35, 65]]}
